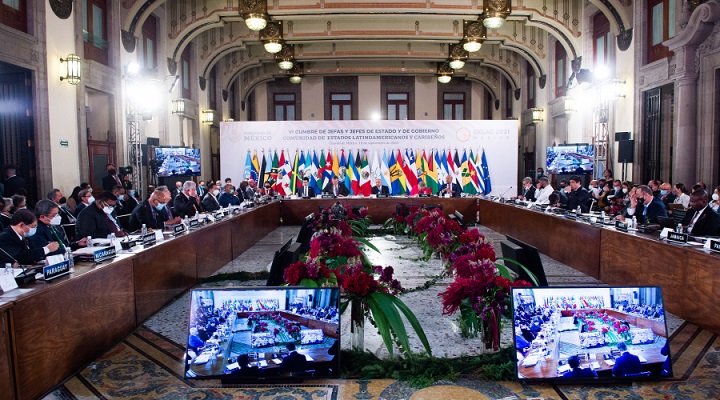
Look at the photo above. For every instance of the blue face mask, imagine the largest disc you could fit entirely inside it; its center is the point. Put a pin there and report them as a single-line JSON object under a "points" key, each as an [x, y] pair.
{"points": [[663, 193], [160, 206], [132, 192], [32, 232]]}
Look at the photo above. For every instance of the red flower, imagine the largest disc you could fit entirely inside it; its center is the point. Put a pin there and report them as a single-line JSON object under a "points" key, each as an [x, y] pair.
{"points": [[357, 282], [295, 273]]}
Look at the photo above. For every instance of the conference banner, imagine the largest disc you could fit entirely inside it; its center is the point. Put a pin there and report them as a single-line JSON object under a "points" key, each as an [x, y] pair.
{"points": [[480, 155]]}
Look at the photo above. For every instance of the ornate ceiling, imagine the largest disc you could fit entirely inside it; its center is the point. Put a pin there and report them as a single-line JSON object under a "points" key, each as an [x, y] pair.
{"points": [[372, 37]]}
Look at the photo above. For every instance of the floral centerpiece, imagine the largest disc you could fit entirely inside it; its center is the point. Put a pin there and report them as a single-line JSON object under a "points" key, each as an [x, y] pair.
{"points": [[335, 259]]}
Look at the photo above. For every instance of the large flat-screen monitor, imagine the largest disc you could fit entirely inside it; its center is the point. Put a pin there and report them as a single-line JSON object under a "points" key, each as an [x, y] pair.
{"points": [[177, 161], [570, 159], [594, 334], [526, 255], [263, 333]]}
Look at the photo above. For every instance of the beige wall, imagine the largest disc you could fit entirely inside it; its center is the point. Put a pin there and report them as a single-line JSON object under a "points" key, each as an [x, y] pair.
{"points": [[425, 88], [369, 105]]}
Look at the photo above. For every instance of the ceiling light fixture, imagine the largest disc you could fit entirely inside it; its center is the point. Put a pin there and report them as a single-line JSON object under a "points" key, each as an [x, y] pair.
{"points": [[457, 57], [296, 73], [272, 36], [444, 72], [495, 12], [254, 12], [474, 34], [286, 57]]}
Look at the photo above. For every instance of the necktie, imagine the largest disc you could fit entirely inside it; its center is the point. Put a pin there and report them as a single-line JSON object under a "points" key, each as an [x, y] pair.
{"points": [[336, 190], [169, 212], [694, 220], [306, 192], [117, 180], [57, 237]]}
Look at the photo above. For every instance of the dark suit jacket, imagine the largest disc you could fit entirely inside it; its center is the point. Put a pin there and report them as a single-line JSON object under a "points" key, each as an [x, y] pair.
{"points": [[109, 182], [18, 249], [13, 186], [456, 189], [707, 225], [580, 373], [654, 210], [627, 363], [66, 216], [529, 195], [4, 221], [342, 189], [92, 221], [301, 191], [383, 190], [294, 362], [228, 199], [210, 203], [579, 197], [44, 235], [185, 206], [144, 214], [79, 208]]}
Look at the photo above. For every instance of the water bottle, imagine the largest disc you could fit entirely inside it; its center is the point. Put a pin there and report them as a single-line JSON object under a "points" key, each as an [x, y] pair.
{"points": [[634, 222], [679, 228], [144, 229], [578, 211], [71, 261], [602, 215], [89, 241], [8, 268]]}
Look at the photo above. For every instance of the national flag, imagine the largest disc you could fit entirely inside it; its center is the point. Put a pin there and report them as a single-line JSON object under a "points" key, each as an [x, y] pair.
{"points": [[403, 179], [328, 171], [314, 172], [473, 172], [274, 169], [395, 176], [458, 164], [255, 167], [296, 172], [485, 174], [345, 172], [441, 172], [263, 174], [431, 179], [478, 169], [355, 178], [321, 171], [375, 167], [365, 185], [410, 171], [287, 173], [445, 167], [248, 166], [335, 164], [385, 171], [279, 174], [467, 182]]}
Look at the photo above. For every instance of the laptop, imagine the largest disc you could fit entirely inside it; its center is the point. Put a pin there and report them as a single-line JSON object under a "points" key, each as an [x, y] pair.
{"points": [[666, 222]]}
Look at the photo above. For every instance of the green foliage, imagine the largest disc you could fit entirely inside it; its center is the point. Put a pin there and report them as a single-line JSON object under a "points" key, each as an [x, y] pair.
{"points": [[504, 271], [468, 320], [423, 370]]}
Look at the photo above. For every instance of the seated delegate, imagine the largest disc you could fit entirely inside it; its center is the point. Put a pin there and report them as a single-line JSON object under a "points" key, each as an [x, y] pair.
{"points": [[627, 363], [98, 219], [576, 371], [14, 243], [149, 213], [335, 188], [305, 191], [49, 229], [645, 206], [700, 219], [379, 188], [449, 188]]}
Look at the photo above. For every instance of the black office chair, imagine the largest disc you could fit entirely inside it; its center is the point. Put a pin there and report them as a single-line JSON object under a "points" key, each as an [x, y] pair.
{"points": [[124, 221], [678, 216], [69, 231]]}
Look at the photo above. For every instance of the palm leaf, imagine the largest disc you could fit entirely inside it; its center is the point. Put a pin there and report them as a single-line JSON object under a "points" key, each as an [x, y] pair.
{"points": [[381, 322], [413, 321], [530, 274], [307, 282], [367, 243], [397, 326]]}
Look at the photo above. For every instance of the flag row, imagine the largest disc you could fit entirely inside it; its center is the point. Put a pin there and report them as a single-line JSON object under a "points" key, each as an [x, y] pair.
{"points": [[401, 171]]}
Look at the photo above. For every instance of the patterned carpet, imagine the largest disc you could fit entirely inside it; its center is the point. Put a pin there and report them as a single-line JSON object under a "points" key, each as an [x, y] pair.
{"points": [[146, 365]]}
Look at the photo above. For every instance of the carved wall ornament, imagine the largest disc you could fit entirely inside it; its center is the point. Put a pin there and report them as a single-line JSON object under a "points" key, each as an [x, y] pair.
{"points": [[517, 94], [624, 39], [62, 8], [542, 81], [225, 95], [128, 41], [172, 66], [576, 64], [202, 83]]}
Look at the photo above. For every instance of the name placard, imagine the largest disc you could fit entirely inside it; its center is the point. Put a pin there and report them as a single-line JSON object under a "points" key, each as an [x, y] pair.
{"points": [[218, 215], [385, 195], [104, 253], [178, 229], [327, 196], [59, 269], [678, 237], [621, 226], [715, 245], [149, 239], [194, 223]]}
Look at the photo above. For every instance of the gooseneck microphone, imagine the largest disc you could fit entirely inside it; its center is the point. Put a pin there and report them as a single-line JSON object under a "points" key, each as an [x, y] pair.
{"points": [[502, 196]]}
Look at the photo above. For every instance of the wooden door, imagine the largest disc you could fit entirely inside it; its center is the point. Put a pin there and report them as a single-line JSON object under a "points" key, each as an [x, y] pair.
{"points": [[100, 153]]}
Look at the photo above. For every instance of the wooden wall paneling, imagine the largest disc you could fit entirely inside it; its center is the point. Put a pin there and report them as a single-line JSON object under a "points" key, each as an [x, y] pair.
{"points": [[247, 229], [698, 293], [214, 248], [163, 272], [7, 377], [69, 324]]}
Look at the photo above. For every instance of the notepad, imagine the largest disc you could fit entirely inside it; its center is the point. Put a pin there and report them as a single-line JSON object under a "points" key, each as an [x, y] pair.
{"points": [[202, 359], [263, 363], [595, 365], [277, 361], [563, 369], [610, 362]]}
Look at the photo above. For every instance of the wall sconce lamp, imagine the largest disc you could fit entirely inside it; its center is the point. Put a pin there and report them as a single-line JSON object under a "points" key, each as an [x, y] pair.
{"points": [[178, 106], [71, 72], [286, 57], [254, 13], [272, 37], [296, 73], [570, 105], [474, 34], [495, 12], [208, 116], [458, 55], [444, 72], [537, 115]]}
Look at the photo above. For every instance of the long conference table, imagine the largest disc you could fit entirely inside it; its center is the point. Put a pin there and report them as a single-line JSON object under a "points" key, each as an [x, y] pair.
{"points": [[50, 330]]}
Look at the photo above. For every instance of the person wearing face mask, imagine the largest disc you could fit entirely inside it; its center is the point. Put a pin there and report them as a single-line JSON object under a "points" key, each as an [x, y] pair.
{"points": [[210, 200], [111, 179], [667, 194], [645, 206], [228, 197], [578, 197], [49, 229], [19, 203], [528, 190], [715, 203], [542, 195], [56, 195], [187, 204], [700, 219], [617, 189], [150, 212], [681, 195], [14, 240], [86, 198], [99, 219]]}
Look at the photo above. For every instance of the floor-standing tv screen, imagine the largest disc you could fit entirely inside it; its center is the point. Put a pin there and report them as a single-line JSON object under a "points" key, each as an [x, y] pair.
{"points": [[570, 159], [177, 161], [599, 334], [268, 333]]}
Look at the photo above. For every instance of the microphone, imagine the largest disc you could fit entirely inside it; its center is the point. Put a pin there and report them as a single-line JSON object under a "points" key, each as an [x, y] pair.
{"points": [[591, 205], [502, 196], [24, 277]]}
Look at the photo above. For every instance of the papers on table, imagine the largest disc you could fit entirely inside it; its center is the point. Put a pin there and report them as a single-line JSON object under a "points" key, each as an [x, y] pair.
{"points": [[563, 369], [263, 363], [610, 362], [202, 359], [233, 366], [595, 365], [529, 361]]}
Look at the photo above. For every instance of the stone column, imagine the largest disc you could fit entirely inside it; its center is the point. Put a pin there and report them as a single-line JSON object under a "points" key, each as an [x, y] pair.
{"points": [[686, 130]]}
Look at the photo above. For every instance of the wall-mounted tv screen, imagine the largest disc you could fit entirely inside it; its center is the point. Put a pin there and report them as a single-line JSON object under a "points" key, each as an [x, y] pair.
{"points": [[597, 334], [570, 159], [263, 333], [177, 161]]}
